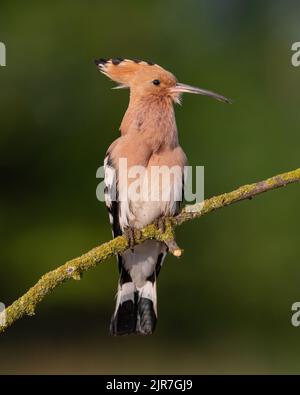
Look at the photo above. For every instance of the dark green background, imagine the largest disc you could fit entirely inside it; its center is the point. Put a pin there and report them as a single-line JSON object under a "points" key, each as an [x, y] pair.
{"points": [[225, 307]]}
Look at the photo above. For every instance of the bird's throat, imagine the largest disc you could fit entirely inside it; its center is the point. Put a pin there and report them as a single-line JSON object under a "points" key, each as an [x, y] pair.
{"points": [[154, 118]]}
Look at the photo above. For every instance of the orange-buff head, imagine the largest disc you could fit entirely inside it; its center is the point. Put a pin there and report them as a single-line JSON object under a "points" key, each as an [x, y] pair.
{"points": [[146, 79]]}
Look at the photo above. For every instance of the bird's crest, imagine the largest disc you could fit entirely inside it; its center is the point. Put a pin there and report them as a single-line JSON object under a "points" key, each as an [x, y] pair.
{"points": [[126, 71]]}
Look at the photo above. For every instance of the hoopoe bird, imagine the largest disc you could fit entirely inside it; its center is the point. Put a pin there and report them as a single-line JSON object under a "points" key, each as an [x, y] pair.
{"points": [[149, 138]]}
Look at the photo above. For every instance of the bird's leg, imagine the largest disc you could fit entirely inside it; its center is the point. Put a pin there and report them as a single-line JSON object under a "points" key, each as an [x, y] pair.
{"points": [[132, 235], [160, 223], [129, 234]]}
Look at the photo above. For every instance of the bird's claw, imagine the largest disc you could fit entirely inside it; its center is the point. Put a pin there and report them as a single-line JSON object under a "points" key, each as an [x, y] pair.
{"points": [[131, 235], [160, 223]]}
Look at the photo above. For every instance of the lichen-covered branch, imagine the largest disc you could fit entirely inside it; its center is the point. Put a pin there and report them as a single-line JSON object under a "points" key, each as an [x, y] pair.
{"points": [[74, 268], [245, 192]]}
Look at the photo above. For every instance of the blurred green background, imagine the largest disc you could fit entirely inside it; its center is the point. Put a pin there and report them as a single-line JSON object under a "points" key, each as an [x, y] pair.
{"points": [[225, 307]]}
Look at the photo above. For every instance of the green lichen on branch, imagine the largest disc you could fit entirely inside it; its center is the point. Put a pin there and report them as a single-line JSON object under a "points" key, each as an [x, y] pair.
{"points": [[245, 192], [74, 268]]}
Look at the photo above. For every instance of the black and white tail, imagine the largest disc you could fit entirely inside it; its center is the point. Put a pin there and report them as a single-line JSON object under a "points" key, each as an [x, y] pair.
{"points": [[136, 310]]}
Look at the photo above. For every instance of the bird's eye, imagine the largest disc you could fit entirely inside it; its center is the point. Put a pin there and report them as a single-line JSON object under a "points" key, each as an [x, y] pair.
{"points": [[156, 82]]}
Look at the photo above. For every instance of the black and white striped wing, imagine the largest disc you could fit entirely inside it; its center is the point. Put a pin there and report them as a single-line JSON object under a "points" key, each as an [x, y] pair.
{"points": [[111, 196]]}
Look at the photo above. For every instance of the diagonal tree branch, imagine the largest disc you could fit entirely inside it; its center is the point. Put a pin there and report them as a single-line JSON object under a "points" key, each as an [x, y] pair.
{"points": [[74, 268]]}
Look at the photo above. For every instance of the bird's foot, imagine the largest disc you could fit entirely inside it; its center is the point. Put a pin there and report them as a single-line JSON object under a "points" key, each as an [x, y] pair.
{"points": [[161, 223], [132, 235]]}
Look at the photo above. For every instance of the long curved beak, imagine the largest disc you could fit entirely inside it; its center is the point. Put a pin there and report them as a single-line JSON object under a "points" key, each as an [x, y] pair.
{"points": [[183, 88]]}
